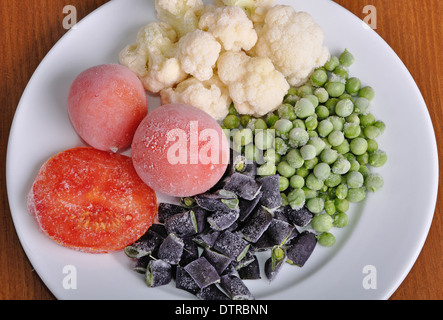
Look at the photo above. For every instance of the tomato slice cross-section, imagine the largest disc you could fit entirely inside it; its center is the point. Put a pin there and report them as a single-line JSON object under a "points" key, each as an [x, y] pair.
{"points": [[91, 200]]}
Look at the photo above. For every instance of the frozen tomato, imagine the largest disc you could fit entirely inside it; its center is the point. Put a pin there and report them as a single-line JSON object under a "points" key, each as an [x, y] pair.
{"points": [[180, 150], [91, 200], [106, 104]]}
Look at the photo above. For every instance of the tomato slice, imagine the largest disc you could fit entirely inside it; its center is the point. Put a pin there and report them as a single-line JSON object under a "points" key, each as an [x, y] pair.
{"points": [[91, 200]]}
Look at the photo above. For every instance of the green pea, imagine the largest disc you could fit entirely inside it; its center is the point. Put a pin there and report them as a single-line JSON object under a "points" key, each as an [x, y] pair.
{"points": [[305, 90], [322, 171], [342, 205], [355, 165], [358, 146], [378, 158], [311, 163], [346, 58], [313, 98], [232, 109], [351, 130], [311, 123], [286, 111], [343, 147], [231, 121], [303, 172], [361, 105], [356, 194], [335, 138], [363, 159], [335, 89], [314, 183], [353, 118], [309, 193], [285, 170], [372, 145], [325, 127], [318, 143], [244, 120], [308, 152], [333, 180], [267, 169], [284, 199], [280, 146], [296, 182], [295, 159], [283, 183], [341, 220], [353, 85], [344, 108], [330, 104], [322, 222], [260, 124], [299, 123], [374, 182], [271, 156], [342, 72], [252, 153], [364, 170], [332, 63], [380, 125], [371, 132], [319, 77], [264, 139], [321, 94], [304, 108], [315, 205], [341, 166], [330, 207], [341, 191], [326, 239], [367, 92], [298, 137], [283, 127], [354, 179], [296, 199], [367, 119], [243, 137], [337, 122]]}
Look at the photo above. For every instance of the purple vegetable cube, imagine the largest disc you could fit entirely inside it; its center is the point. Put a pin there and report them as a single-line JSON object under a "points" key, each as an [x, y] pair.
{"points": [[203, 273]]}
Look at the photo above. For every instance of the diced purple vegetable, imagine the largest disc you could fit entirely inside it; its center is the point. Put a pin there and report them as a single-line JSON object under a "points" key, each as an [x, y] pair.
{"points": [[280, 231], [247, 206], [301, 249], [166, 210], [211, 292], [251, 271], [215, 201], [141, 264], [231, 245], [271, 197], [171, 249], [207, 238], [150, 241], [301, 217], [190, 251], [203, 273], [247, 259], [256, 224], [235, 287], [185, 282], [182, 224], [221, 220], [200, 215], [239, 163], [158, 273], [243, 186], [271, 272], [218, 260]]}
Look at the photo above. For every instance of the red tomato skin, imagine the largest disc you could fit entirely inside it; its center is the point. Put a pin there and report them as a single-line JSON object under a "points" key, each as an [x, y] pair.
{"points": [[91, 201]]}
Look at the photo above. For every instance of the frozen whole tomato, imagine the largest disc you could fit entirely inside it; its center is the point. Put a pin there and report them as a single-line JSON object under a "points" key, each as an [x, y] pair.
{"points": [[91, 200], [180, 150], [106, 103]]}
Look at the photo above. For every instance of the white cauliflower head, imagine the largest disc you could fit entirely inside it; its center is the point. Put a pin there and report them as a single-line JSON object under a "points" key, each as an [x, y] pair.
{"points": [[211, 96], [255, 9], [152, 59], [231, 26], [182, 15], [198, 52], [255, 87], [294, 43]]}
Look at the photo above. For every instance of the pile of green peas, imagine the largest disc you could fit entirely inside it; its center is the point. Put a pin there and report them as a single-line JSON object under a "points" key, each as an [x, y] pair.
{"points": [[322, 143]]}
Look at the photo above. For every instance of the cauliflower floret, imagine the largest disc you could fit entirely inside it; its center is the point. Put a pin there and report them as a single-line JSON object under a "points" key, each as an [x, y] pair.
{"points": [[211, 96], [198, 52], [182, 15], [152, 59], [294, 43], [231, 26], [255, 87], [255, 9]]}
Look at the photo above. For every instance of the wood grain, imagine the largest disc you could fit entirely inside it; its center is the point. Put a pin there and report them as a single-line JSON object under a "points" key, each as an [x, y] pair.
{"points": [[30, 28]]}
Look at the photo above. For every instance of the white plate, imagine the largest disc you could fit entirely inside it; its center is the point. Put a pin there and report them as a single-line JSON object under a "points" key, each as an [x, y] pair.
{"points": [[385, 234]]}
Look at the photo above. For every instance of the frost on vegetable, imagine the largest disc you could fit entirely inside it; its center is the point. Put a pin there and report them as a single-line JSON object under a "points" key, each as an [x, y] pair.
{"points": [[211, 96], [255, 9], [152, 57], [231, 26], [294, 43], [255, 86], [182, 15]]}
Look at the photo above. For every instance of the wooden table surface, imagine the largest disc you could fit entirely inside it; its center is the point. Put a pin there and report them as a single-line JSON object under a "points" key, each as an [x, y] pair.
{"points": [[29, 29]]}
